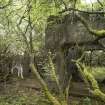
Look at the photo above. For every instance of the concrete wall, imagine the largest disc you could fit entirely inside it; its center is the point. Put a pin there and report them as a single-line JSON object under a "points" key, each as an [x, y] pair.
{"points": [[64, 32]]}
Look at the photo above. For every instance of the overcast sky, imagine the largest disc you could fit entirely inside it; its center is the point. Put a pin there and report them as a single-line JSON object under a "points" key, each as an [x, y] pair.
{"points": [[89, 1]]}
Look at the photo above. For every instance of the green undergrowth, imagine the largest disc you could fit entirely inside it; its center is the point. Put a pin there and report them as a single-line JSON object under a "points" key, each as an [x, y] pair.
{"points": [[23, 98], [31, 98]]}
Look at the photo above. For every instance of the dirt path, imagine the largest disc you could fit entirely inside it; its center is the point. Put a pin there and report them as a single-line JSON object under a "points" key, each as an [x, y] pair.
{"points": [[78, 91]]}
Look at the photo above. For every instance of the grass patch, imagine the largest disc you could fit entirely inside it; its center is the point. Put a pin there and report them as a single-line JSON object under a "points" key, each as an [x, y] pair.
{"points": [[97, 72]]}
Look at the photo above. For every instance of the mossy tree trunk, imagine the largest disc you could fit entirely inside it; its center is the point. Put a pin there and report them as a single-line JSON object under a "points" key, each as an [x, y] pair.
{"points": [[44, 86], [53, 99], [90, 81], [95, 32]]}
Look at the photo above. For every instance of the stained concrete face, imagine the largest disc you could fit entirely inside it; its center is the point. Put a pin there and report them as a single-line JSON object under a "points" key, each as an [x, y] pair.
{"points": [[71, 30]]}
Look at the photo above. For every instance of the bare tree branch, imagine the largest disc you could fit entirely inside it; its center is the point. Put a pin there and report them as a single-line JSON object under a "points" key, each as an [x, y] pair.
{"points": [[100, 3], [5, 6], [89, 12], [65, 5]]}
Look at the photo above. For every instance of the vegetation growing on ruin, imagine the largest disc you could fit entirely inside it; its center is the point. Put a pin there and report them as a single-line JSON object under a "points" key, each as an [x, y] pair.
{"points": [[23, 32]]}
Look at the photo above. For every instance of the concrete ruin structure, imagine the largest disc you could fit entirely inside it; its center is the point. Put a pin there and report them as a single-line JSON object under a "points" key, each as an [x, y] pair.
{"points": [[64, 33]]}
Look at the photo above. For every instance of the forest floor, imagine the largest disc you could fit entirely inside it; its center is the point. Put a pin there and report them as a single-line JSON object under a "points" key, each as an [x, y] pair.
{"points": [[29, 91]]}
